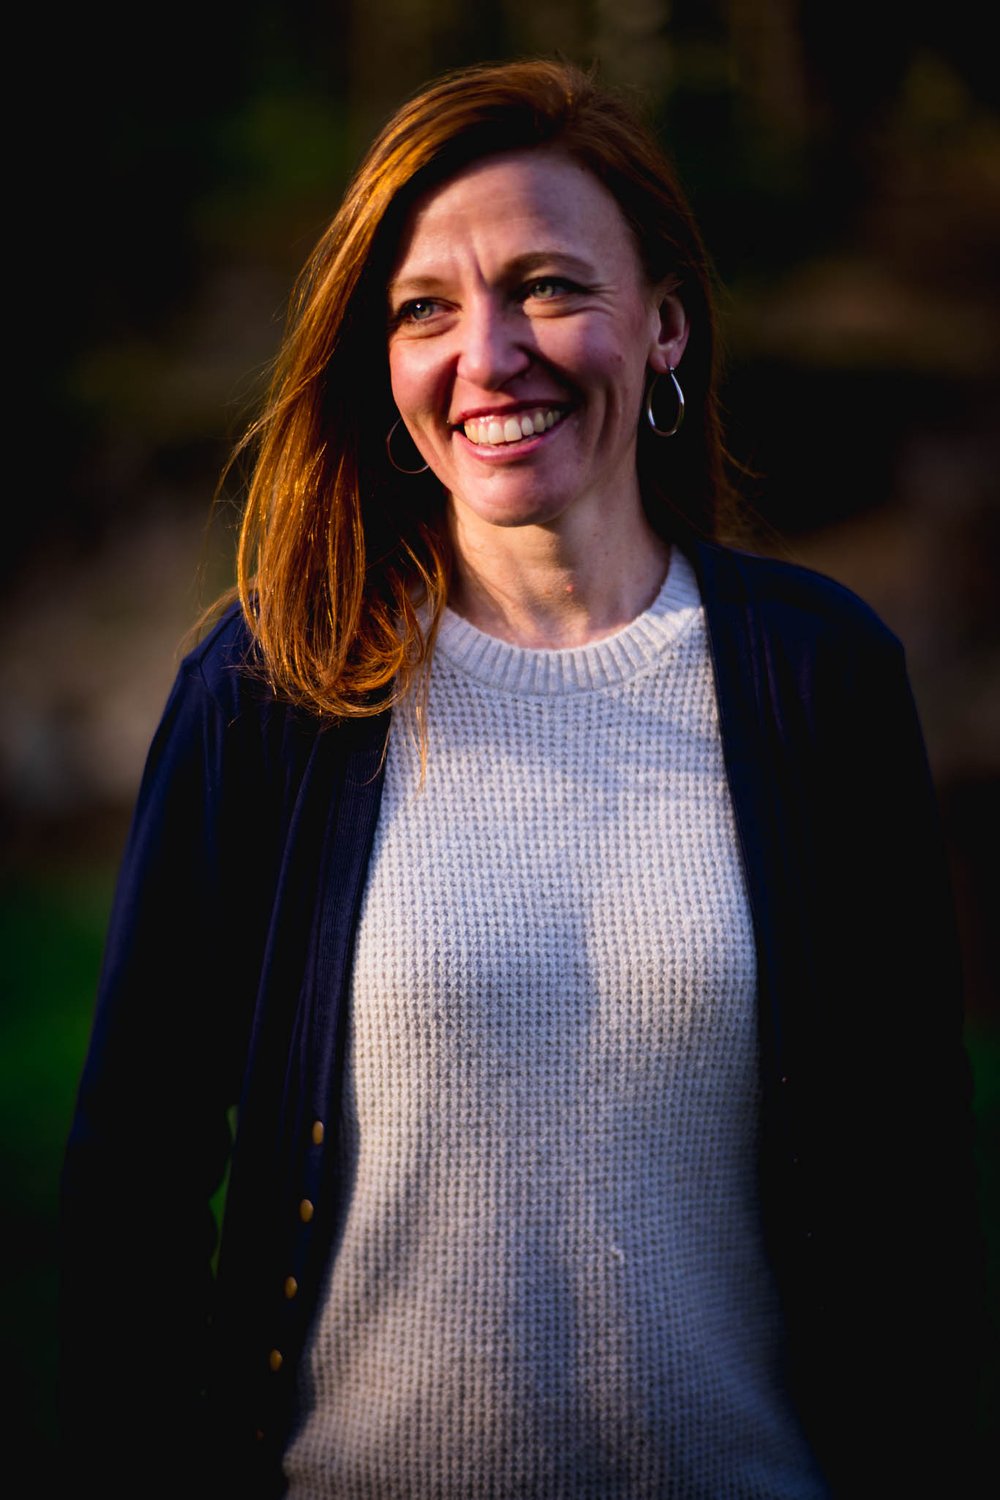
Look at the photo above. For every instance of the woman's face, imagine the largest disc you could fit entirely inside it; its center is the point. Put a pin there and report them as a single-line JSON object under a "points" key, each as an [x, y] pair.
{"points": [[521, 331]]}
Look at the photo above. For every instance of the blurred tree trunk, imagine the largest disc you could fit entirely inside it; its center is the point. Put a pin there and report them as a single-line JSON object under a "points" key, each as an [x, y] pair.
{"points": [[631, 41], [767, 48], [396, 45]]}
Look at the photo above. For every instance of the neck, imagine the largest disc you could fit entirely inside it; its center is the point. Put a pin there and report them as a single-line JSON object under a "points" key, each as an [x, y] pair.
{"points": [[555, 587]]}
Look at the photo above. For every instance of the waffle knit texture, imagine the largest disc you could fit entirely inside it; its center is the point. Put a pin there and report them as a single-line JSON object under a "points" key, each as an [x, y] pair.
{"points": [[549, 1282]]}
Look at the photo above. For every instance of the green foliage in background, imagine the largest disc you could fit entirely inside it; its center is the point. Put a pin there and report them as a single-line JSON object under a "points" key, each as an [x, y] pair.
{"points": [[51, 934]]}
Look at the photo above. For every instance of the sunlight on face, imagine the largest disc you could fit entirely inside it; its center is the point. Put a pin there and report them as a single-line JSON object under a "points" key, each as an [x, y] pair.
{"points": [[521, 331]]}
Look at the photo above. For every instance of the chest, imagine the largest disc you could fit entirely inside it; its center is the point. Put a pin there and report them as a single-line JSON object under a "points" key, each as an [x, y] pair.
{"points": [[565, 876]]}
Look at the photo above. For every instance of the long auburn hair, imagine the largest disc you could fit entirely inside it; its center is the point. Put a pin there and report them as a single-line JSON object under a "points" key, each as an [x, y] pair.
{"points": [[343, 564]]}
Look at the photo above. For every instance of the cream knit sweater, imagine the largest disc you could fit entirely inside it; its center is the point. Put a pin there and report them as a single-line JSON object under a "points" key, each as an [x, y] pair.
{"points": [[548, 1281]]}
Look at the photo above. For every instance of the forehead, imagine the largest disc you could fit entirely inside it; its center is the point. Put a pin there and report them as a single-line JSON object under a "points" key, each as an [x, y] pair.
{"points": [[520, 202]]}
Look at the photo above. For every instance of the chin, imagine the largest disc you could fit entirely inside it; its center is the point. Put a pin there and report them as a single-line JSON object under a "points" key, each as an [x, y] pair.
{"points": [[514, 512], [513, 504]]}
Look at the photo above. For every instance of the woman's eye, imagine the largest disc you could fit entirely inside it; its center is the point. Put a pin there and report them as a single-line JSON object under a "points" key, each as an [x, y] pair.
{"points": [[417, 311], [546, 288]]}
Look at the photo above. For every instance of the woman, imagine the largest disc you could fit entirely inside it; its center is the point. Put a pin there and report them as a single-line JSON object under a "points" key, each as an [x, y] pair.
{"points": [[593, 1034]]}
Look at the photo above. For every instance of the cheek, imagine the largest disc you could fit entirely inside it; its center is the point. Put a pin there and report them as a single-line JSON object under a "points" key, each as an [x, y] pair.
{"points": [[608, 351], [409, 378], [618, 366], [398, 378]]}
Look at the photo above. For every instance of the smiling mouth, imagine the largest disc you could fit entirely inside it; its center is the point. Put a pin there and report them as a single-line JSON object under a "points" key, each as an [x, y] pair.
{"points": [[494, 431]]}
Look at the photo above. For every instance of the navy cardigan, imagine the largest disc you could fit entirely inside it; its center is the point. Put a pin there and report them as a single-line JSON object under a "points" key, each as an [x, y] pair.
{"points": [[223, 996]]}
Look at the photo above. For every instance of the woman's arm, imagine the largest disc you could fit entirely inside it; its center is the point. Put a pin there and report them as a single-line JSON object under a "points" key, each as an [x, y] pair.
{"points": [[888, 1150], [150, 1138], [867, 1164]]}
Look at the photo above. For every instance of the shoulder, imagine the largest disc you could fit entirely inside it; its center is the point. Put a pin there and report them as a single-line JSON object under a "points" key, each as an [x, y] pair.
{"points": [[223, 689], [226, 665], [222, 709], [787, 603]]}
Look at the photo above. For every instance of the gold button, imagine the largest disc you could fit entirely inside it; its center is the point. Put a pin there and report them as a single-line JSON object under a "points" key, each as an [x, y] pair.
{"points": [[318, 1132], [291, 1287], [306, 1210], [276, 1359]]}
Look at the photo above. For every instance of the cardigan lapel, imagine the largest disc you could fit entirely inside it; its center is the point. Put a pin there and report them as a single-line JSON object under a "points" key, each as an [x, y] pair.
{"points": [[758, 730]]}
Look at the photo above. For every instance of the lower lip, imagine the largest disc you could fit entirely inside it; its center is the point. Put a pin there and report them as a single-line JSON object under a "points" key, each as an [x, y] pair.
{"points": [[498, 452]]}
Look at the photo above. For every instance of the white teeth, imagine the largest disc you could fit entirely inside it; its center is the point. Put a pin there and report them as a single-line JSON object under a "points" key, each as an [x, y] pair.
{"points": [[491, 432]]}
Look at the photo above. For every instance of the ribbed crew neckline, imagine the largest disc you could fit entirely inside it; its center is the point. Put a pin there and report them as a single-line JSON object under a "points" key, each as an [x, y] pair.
{"points": [[599, 664]]}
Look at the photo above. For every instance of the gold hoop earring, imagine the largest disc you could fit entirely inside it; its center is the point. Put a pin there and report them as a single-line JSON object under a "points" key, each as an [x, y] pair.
{"points": [[665, 432], [388, 448]]}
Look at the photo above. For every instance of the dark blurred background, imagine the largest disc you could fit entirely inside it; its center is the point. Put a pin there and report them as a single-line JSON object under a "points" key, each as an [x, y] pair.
{"points": [[844, 161]]}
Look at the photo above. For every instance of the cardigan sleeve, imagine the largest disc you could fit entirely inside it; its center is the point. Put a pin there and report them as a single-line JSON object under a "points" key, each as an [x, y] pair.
{"points": [[150, 1137], [896, 1245], [866, 1168]]}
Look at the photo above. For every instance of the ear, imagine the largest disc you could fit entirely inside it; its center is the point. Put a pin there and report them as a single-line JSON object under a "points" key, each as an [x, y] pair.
{"points": [[671, 336]]}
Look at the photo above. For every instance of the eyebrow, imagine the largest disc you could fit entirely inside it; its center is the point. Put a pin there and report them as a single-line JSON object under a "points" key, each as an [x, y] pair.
{"points": [[514, 270]]}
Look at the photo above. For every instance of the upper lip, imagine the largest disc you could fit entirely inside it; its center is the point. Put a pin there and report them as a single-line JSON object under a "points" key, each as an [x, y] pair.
{"points": [[507, 409]]}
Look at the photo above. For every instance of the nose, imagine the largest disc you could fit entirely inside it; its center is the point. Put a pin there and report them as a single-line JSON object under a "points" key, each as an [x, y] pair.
{"points": [[494, 344]]}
